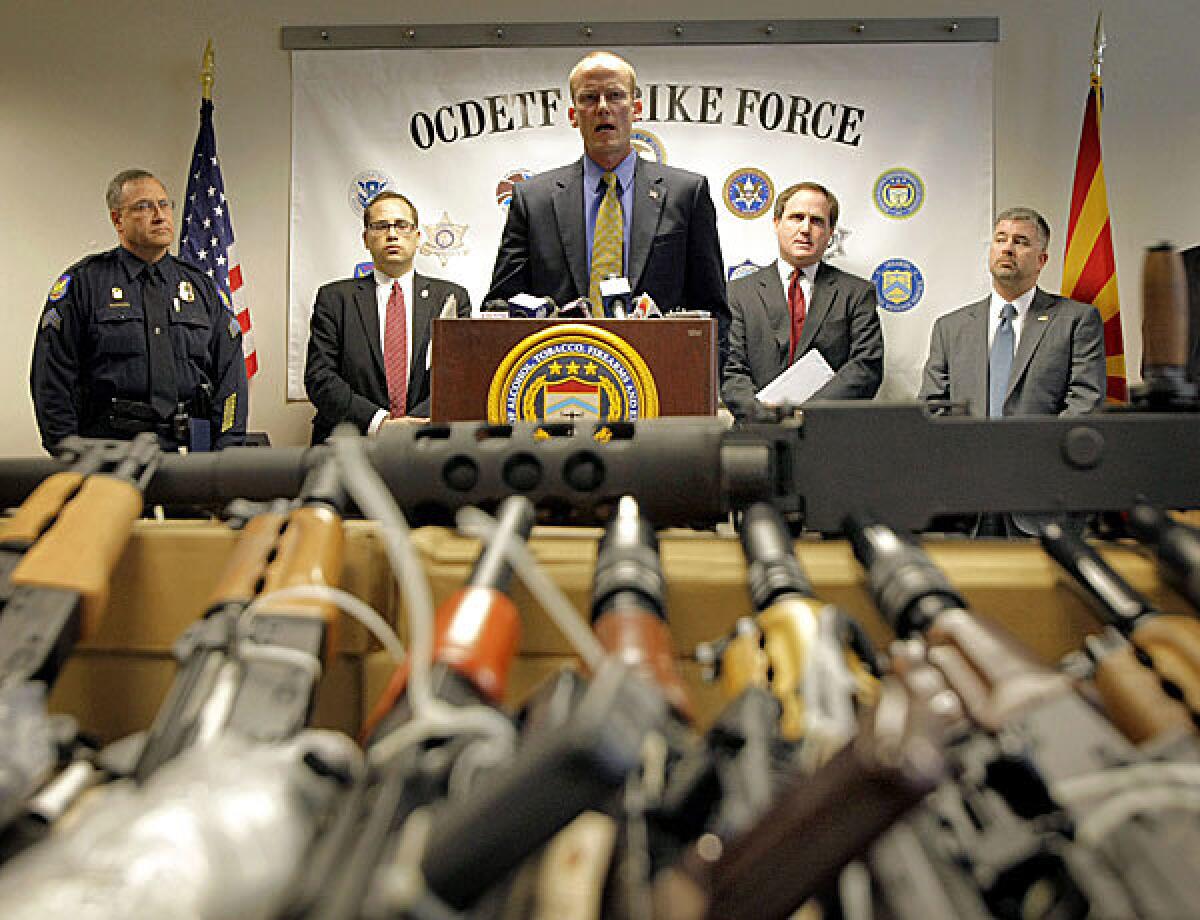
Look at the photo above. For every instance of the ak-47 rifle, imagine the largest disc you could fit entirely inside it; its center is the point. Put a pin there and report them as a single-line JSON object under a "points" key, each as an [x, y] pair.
{"points": [[57, 556], [819, 823], [476, 633], [1176, 544], [1147, 665], [792, 683], [412, 841], [254, 672], [59, 549], [1053, 812]]}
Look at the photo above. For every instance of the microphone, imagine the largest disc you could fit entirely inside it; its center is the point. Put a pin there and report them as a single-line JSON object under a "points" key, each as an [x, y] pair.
{"points": [[615, 296], [644, 307], [579, 308], [527, 306]]}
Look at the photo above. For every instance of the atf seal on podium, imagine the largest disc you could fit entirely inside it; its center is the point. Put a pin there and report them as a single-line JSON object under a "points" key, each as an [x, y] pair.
{"points": [[572, 372]]}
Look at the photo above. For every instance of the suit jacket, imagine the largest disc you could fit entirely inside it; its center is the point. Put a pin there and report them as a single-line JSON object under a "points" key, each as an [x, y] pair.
{"points": [[841, 323], [1191, 265], [1058, 367], [674, 253], [344, 375]]}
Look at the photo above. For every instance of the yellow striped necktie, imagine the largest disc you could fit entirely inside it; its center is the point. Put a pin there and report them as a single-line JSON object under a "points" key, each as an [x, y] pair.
{"points": [[608, 240]]}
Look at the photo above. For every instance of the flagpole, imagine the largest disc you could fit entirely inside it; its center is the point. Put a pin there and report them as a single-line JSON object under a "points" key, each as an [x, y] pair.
{"points": [[1099, 43], [207, 71]]}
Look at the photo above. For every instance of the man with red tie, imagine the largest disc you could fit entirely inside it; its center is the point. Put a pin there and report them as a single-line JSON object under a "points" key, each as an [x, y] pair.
{"points": [[369, 338], [800, 304]]}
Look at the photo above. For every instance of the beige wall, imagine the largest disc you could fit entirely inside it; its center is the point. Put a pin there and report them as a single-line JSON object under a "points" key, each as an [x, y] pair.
{"points": [[87, 88]]}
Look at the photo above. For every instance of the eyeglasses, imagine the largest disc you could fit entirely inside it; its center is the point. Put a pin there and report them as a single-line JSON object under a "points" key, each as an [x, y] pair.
{"points": [[383, 226], [589, 99], [146, 206]]}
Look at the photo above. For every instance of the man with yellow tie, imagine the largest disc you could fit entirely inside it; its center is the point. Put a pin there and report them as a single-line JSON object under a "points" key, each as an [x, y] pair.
{"points": [[613, 214]]}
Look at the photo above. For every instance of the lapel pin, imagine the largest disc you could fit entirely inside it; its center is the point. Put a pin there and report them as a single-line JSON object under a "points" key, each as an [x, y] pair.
{"points": [[1043, 318], [654, 194], [424, 292]]}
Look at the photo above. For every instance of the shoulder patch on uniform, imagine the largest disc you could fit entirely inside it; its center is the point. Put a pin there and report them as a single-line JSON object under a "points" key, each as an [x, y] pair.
{"points": [[58, 290], [229, 412], [234, 329], [51, 317]]}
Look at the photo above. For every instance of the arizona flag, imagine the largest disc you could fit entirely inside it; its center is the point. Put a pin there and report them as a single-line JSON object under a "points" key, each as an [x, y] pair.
{"points": [[1089, 268]]}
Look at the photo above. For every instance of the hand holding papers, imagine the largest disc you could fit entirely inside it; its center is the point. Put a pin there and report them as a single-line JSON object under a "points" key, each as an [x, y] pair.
{"points": [[799, 382]]}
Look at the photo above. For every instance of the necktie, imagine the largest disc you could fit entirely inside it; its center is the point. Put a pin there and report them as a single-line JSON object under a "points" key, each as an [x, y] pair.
{"points": [[798, 308], [1000, 361], [395, 352], [608, 240], [163, 388]]}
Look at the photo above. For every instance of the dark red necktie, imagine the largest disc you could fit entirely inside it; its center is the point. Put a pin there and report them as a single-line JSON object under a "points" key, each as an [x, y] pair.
{"points": [[798, 308], [395, 352]]}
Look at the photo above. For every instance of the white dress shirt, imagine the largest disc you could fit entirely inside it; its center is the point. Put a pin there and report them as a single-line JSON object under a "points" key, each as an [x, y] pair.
{"points": [[1022, 305]]}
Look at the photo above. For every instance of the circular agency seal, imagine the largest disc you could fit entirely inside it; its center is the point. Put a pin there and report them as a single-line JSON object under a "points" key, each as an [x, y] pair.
{"points": [[748, 193], [572, 372], [899, 193], [365, 186], [648, 145], [504, 188], [899, 285]]}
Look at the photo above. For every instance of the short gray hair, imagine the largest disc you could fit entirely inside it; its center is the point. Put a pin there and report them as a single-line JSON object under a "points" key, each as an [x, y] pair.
{"points": [[1030, 216], [116, 185]]}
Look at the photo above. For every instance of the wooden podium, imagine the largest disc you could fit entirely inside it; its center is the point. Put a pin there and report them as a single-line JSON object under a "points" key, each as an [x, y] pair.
{"points": [[585, 367]]}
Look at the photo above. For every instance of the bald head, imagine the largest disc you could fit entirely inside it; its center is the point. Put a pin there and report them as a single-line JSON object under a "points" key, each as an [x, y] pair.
{"points": [[605, 60]]}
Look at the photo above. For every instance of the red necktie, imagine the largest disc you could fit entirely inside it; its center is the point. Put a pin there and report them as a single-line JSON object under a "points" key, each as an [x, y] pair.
{"points": [[395, 352], [798, 308]]}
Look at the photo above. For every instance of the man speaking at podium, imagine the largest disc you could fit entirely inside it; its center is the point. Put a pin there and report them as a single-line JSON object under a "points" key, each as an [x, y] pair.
{"points": [[612, 214]]}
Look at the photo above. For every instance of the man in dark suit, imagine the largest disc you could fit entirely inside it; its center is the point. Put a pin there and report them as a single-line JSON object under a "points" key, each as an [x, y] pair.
{"points": [[663, 225], [1019, 351], [369, 338], [1055, 346], [800, 304]]}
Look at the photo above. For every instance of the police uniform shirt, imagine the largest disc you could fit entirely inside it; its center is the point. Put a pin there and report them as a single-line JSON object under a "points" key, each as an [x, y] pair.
{"points": [[91, 347]]}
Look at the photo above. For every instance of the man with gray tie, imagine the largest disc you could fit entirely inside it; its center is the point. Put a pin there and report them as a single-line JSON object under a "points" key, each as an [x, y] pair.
{"points": [[1020, 350]]}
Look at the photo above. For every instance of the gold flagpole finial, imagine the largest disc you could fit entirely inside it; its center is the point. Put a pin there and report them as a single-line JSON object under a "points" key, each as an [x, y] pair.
{"points": [[206, 73], [1098, 46]]}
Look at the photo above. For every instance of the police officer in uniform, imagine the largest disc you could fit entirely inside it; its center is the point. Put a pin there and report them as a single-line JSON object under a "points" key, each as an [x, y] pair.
{"points": [[134, 339]]}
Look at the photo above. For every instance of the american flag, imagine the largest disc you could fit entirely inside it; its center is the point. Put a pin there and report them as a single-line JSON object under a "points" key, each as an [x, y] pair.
{"points": [[207, 239]]}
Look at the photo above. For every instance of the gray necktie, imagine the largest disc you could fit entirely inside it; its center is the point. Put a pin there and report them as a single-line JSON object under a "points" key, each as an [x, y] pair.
{"points": [[1000, 361]]}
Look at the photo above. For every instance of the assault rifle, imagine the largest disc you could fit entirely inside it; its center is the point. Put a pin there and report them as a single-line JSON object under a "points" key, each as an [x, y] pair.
{"points": [[1045, 818], [1147, 667], [255, 673]]}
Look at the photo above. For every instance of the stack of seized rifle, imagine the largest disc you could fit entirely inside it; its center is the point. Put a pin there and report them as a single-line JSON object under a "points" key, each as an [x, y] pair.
{"points": [[950, 777]]}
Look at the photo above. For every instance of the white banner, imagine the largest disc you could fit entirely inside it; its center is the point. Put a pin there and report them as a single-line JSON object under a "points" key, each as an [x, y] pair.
{"points": [[901, 133]]}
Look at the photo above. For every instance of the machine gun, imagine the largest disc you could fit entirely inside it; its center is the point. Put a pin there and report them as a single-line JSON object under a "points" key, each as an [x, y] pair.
{"points": [[251, 667], [1025, 830]]}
